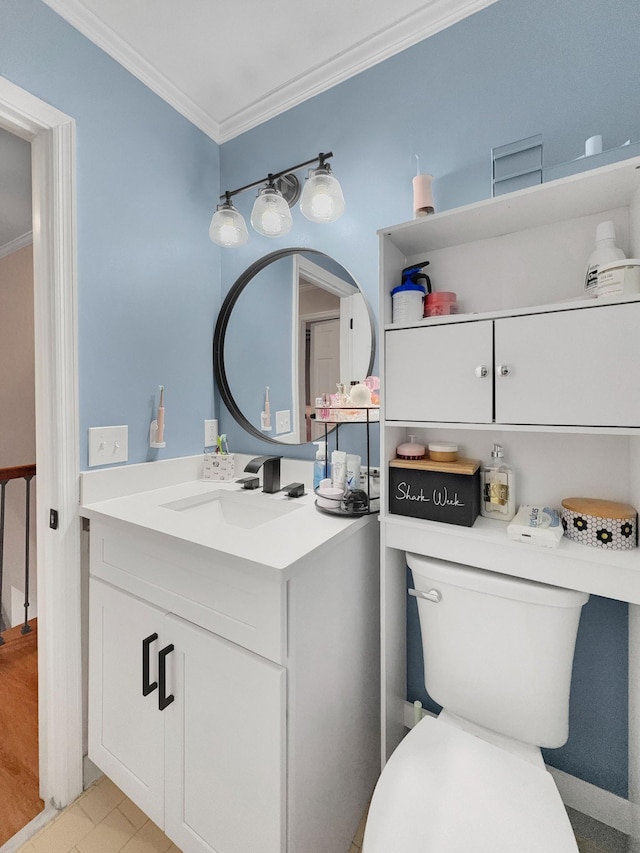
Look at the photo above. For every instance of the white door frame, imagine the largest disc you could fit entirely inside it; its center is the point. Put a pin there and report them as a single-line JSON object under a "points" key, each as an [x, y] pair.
{"points": [[52, 137]]}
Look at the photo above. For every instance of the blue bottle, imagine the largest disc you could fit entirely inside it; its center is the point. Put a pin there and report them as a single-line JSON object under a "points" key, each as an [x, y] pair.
{"points": [[320, 465]]}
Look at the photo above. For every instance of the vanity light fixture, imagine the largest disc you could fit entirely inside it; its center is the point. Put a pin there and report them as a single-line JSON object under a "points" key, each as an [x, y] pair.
{"points": [[321, 201], [228, 227]]}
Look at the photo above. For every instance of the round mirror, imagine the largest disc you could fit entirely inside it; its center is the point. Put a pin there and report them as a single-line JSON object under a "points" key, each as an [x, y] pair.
{"points": [[292, 327]]}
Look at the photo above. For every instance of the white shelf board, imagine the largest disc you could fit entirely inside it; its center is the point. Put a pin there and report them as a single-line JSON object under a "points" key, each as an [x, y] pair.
{"points": [[571, 197], [611, 574], [577, 304], [494, 425]]}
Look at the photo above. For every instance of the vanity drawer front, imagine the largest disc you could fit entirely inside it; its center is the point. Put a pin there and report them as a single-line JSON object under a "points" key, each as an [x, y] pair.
{"points": [[213, 592]]}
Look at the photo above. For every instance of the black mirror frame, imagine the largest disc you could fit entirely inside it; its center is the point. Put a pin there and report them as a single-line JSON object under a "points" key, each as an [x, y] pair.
{"points": [[220, 333]]}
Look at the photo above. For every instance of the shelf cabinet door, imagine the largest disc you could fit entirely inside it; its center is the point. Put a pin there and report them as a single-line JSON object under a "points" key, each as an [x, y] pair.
{"points": [[440, 373], [126, 730], [570, 368], [225, 746]]}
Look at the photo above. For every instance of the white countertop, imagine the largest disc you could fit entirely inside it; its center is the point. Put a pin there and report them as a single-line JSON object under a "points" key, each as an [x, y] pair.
{"points": [[277, 544]]}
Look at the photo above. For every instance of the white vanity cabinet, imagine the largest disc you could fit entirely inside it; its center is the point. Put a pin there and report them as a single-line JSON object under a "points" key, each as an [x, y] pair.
{"points": [[236, 702], [553, 367], [175, 723]]}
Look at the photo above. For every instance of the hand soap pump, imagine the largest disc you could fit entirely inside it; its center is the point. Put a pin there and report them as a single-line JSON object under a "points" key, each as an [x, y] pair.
{"points": [[320, 465], [498, 497]]}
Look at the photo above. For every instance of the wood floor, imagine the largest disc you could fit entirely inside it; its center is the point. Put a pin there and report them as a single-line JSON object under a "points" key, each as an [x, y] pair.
{"points": [[19, 800]]}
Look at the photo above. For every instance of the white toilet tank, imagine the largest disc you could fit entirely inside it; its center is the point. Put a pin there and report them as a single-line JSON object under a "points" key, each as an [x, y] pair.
{"points": [[498, 650]]}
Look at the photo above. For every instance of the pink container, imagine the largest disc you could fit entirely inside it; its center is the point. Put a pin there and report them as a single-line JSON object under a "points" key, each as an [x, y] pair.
{"points": [[442, 302]]}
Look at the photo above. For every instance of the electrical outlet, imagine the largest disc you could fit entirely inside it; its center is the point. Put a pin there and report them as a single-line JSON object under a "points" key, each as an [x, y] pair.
{"points": [[210, 433], [283, 421], [108, 445]]}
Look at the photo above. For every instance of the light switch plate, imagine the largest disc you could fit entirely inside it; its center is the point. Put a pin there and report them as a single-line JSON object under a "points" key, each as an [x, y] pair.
{"points": [[108, 445], [283, 421]]}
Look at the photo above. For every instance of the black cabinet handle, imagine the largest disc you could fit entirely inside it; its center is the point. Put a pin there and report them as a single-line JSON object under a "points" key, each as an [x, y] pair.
{"points": [[163, 699], [147, 686]]}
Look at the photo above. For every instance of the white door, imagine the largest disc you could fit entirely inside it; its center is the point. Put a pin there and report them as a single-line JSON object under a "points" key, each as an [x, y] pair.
{"points": [[324, 364], [569, 367], [225, 759], [440, 373], [126, 728]]}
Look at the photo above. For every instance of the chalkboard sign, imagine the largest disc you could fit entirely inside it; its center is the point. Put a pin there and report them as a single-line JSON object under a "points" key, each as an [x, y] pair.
{"points": [[447, 492]]}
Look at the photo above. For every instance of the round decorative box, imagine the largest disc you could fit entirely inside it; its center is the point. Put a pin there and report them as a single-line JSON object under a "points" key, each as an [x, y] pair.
{"points": [[600, 524]]}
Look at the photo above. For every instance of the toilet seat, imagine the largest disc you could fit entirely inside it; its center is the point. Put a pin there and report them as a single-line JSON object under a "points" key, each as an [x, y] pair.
{"points": [[445, 790]]}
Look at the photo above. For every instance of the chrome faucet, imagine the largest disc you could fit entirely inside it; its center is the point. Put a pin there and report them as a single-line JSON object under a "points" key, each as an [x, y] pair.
{"points": [[271, 472]]}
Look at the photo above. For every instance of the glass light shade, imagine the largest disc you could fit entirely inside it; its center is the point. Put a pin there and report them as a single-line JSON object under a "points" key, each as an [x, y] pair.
{"points": [[271, 215], [322, 199], [228, 227]]}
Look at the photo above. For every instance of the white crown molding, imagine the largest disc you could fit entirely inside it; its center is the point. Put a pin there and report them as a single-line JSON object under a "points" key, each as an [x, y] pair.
{"points": [[14, 245], [97, 32], [414, 28], [430, 19]]}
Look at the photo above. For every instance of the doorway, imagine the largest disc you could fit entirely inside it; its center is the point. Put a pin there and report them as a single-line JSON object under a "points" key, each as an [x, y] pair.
{"points": [[51, 135], [19, 759]]}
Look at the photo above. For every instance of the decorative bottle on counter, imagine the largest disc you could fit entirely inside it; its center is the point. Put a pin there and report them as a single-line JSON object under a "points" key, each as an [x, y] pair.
{"points": [[498, 498]]}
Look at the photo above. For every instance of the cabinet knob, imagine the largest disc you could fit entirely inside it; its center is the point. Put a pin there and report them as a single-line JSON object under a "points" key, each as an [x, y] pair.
{"points": [[503, 369], [482, 371]]}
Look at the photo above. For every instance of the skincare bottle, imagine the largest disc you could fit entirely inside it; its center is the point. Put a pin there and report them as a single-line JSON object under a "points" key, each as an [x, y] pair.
{"points": [[605, 251], [353, 472], [338, 469], [498, 497], [320, 465]]}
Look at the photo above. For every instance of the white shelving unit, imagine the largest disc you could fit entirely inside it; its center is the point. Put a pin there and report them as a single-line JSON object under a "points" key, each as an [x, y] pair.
{"points": [[567, 409]]}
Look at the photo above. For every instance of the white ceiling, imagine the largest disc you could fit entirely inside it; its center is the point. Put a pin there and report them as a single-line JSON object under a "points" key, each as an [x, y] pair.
{"points": [[229, 65]]}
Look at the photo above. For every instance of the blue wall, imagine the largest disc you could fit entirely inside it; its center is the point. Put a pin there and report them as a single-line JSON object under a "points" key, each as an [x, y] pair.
{"points": [[263, 312], [148, 276], [512, 70]]}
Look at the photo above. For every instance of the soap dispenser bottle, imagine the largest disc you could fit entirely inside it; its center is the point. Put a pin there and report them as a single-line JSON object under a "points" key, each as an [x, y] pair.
{"points": [[320, 465], [498, 497]]}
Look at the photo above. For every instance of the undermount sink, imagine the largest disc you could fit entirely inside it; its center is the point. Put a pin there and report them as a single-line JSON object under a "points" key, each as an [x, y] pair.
{"points": [[238, 509]]}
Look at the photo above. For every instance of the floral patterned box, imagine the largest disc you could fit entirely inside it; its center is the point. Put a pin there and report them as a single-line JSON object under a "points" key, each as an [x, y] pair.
{"points": [[600, 524]]}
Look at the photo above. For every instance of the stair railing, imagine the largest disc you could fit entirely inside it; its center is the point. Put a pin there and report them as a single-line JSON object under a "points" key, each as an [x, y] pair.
{"points": [[27, 473]]}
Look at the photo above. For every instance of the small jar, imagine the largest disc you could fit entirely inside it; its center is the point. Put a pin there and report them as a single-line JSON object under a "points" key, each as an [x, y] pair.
{"points": [[616, 278], [440, 303], [443, 451]]}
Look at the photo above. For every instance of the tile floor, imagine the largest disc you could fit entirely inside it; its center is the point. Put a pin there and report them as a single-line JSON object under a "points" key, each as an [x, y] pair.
{"points": [[103, 820]]}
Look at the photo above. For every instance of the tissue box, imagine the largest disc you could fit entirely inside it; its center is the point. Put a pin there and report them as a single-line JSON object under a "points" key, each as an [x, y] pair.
{"points": [[435, 491], [219, 466], [539, 525]]}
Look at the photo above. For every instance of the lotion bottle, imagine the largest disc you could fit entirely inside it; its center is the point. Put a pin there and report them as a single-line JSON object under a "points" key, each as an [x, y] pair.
{"points": [[338, 469], [605, 251], [498, 497]]}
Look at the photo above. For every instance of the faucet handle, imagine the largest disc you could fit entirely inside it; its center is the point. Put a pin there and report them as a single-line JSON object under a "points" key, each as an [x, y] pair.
{"points": [[294, 490], [249, 482]]}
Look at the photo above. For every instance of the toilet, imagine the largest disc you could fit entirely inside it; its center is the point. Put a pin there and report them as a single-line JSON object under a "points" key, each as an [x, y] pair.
{"points": [[498, 653]]}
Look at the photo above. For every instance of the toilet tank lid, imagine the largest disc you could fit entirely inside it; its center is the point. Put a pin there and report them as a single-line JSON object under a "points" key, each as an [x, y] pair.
{"points": [[494, 583]]}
